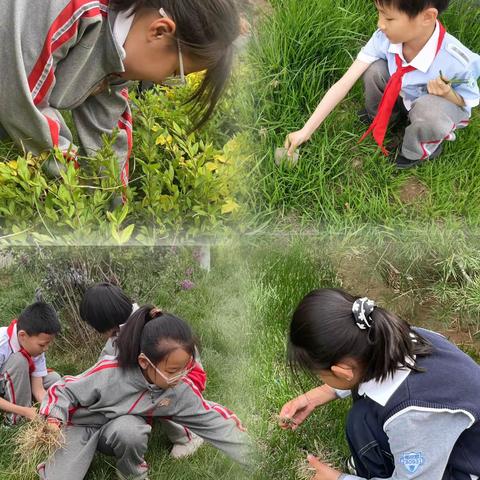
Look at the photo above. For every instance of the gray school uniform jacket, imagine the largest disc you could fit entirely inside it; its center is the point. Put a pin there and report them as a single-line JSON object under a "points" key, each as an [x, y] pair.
{"points": [[61, 55], [106, 391]]}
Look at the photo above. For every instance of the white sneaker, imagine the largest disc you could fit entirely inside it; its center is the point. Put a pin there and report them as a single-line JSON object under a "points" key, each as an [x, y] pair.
{"points": [[182, 450], [351, 466]]}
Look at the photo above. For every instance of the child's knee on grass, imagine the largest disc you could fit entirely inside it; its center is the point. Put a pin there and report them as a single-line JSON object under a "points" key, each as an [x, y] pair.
{"points": [[126, 433]]}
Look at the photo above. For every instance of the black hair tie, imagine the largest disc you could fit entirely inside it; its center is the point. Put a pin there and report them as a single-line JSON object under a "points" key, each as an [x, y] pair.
{"points": [[362, 309]]}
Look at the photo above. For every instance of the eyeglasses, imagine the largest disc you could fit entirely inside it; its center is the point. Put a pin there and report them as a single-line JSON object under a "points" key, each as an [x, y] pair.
{"points": [[175, 80], [174, 378]]}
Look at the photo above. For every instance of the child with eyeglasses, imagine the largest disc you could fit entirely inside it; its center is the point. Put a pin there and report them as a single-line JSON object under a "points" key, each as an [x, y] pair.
{"points": [[416, 409], [107, 308], [81, 55], [104, 408], [414, 70]]}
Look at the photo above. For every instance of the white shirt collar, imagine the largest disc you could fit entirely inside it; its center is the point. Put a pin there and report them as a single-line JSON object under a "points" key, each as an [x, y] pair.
{"points": [[381, 392], [121, 27], [425, 56]]}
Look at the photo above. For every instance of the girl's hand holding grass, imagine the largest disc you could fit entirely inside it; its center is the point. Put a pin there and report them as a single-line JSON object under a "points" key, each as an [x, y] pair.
{"points": [[295, 412], [323, 471]]}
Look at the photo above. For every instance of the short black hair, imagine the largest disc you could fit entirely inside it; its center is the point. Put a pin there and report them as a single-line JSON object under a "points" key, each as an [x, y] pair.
{"points": [[37, 318], [105, 306], [413, 7]]}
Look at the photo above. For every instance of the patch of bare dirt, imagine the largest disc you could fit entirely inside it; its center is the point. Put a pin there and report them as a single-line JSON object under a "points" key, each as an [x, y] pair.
{"points": [[412, 191], [360, 276]]}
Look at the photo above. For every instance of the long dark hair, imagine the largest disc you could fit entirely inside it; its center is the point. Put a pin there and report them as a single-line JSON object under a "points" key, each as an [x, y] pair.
{"points": [[206, 30], [323, 332], [155, 334], [105, 306]]}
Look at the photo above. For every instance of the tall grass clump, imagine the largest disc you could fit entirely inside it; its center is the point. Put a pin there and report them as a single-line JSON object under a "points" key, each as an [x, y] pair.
{"points": [[297, 53], [282, 273]]}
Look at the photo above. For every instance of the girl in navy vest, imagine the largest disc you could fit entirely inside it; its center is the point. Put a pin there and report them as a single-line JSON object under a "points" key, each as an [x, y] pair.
{"points": [[416, 397]]}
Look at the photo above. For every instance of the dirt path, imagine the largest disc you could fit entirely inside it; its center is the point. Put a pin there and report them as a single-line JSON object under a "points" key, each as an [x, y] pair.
{"points": [[359, 277]]}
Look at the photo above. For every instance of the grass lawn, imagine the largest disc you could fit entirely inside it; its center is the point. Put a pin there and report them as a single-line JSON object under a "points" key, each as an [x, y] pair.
{"points": [[400, 278], [297, 53], [241, 311], [149, 276]]}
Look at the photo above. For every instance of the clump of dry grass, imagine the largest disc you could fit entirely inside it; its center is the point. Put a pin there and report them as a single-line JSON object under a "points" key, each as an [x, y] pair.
{"points": [[304, 470], [35, 441], [286, 421]]}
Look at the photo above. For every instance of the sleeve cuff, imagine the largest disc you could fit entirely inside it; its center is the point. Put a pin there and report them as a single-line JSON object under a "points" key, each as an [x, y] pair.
{"points": [[342, 393], [42, 373], [57, 413], [363, 57], [471, 102]]}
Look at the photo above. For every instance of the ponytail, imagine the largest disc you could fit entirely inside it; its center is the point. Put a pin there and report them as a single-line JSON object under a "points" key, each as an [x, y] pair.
{"points": [[324, 330], [153, 333]]}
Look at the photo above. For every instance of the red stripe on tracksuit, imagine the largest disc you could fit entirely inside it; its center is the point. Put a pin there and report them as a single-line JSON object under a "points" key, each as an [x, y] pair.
{"points": [[136, 401], [12, 394], [225, 413], [126, 123], [43, 69], [54, 130], [52, 396], [437, 142], [71, 413]]}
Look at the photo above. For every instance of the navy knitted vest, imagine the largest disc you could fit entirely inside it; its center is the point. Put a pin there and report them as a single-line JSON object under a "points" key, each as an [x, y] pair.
{"points": [[451, 380]]}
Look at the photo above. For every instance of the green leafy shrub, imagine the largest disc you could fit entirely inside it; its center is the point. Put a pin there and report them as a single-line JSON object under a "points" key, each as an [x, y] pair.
{"points": [[182, 182]]}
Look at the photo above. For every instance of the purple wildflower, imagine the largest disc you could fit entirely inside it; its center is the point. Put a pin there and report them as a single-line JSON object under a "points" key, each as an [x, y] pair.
{"points": [[187, 284]]}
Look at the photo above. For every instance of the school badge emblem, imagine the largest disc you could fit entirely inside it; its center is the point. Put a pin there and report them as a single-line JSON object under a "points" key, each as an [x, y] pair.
{"points": [[412, 461], [164, 402]]}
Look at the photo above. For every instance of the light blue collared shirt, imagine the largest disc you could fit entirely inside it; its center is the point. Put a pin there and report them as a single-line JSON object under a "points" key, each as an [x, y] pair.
{"points": [[453, 59]]}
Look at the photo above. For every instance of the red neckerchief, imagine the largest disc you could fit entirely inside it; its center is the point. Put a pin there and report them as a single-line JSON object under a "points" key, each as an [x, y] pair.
{"points": [[10, 333], [390, 96]]}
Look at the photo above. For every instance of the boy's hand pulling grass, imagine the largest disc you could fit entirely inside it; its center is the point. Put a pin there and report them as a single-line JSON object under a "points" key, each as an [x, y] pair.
{"points": [[30, 413], [322, 470], [295, 139]]}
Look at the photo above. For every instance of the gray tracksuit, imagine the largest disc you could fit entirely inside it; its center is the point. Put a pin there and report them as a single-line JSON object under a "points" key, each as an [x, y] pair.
{"points": [[58, 55], [176, 433], [432, 119], [16, 386], [100, 406]]}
